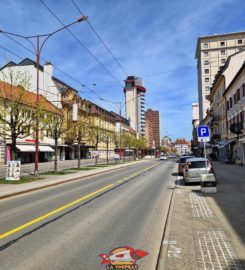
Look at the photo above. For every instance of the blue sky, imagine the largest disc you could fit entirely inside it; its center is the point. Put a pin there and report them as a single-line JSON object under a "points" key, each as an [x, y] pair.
{"points": [[153, 39]]}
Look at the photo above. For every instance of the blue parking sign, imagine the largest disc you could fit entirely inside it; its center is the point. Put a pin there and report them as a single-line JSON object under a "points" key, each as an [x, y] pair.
{"points": [[203, 131]]}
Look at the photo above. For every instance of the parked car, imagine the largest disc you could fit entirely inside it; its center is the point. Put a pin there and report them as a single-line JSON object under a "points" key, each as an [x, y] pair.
{"points": [[163, 157], [194, 167], [181, 162]]}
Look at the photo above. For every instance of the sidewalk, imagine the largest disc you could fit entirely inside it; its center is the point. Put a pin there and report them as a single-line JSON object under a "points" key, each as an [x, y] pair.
{"points": [[207, 231], [52, 180]]}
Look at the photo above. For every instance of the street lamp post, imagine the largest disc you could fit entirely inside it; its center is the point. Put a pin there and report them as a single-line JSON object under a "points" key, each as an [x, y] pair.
{"points": [[38, 49]]}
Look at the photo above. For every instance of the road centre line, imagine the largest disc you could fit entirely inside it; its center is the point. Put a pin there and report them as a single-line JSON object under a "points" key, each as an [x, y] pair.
{"points": [[28, 224]]}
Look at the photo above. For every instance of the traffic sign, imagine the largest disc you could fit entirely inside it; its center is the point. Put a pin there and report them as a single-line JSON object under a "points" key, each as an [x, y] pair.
{"points": [[203, 133]]}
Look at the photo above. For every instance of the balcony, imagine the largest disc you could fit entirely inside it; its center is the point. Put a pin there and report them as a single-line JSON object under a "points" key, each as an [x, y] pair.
{"points": [[236, 128], [216, 137], [210, 112], [216, 118]]}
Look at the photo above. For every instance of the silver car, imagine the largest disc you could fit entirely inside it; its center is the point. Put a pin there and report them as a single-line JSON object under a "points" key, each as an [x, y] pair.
{"points": [[181, 162], [193, 169]]}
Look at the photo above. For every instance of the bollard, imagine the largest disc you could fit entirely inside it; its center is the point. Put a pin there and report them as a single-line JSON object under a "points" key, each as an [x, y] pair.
{"points": [[208, 183]]}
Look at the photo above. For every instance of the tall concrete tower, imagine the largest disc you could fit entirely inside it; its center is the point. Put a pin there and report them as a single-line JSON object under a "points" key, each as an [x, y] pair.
{"points": [[135, 103]]}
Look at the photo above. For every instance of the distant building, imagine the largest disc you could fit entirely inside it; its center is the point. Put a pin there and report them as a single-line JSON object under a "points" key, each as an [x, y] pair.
{"points": [[135, 103], [182, 146], [152, 128], [211, 53]]}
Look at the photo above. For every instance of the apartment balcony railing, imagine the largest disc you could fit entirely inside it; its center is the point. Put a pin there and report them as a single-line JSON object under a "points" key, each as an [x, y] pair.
{"points": [[236, 128], [216, 137]]}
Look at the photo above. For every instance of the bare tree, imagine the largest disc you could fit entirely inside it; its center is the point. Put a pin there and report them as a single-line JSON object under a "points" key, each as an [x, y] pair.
{"points": [[56, 130], [17, 109]]}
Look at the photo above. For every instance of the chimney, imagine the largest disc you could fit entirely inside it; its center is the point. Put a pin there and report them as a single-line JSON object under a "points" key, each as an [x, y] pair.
{"points": [[48, 69]]}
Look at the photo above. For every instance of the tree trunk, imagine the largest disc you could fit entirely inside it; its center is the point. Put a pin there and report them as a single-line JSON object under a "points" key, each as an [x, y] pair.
{"points": [[107, 159], [56, 156], [96, 157], [79, 154], [13, 148]]}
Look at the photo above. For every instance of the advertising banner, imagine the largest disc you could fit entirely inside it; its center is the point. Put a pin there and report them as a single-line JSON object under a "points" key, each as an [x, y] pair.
{"points": [[13, 170]]}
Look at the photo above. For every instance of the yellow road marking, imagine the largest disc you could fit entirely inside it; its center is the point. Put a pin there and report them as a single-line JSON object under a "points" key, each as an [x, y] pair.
{"points": [[53, 212], [119, 181]]}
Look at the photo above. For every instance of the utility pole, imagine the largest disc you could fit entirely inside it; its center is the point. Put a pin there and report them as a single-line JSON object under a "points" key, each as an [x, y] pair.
{"points": [[38, 49], [120, 131]]}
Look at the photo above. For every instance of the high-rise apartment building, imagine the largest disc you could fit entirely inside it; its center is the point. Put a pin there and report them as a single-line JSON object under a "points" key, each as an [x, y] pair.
{"points": [[211, 53], [135, 103], [153, 128], [195, 123]]}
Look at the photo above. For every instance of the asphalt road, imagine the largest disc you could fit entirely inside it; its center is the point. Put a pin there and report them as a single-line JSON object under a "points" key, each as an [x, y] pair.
{"points": [[68, 226]]}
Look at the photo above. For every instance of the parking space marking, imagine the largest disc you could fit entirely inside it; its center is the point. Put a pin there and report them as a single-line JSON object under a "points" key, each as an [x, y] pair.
{"points": [[199, 206], [214, 251]]}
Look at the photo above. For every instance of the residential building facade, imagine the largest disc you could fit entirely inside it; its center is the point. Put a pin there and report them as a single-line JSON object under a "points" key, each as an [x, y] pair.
{"points": [[182, 147], [211, 53], [152, 120], [18, 112], [134, 91], [226, 110], [195, 124], [234, 96], [99, 123]]}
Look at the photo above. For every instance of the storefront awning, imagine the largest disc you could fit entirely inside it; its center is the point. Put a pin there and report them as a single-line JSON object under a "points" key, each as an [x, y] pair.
{"points": [[44, 148], [225, 143], [26, 148]]}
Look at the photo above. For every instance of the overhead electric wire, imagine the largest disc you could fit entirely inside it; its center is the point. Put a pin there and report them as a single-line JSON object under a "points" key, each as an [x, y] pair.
{"points": [[83, 85], [100, 38], [82, 44], [66, 74], [22, 58]]}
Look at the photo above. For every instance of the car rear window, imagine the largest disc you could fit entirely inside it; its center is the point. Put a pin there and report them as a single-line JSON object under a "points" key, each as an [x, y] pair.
{"points": [[183, 159], [196, 164]]}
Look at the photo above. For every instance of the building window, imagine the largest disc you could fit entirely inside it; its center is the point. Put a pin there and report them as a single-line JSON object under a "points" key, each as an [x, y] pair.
{"points": [[206, 79], [206, 71], [207, 96], [243, 89], [230, 102], [206, 62], [222, 52], [227, 105], [205, 54], [222, 44], [223, 61], [205, 45], [207, 88], [239, 41]]}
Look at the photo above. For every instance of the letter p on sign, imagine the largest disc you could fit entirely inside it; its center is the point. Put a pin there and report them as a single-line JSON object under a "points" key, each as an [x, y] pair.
{"points": [[203, 131]]}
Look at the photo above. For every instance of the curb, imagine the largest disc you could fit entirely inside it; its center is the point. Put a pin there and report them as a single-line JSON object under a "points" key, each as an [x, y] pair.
{"points": [[59, 183], [162, 251]]}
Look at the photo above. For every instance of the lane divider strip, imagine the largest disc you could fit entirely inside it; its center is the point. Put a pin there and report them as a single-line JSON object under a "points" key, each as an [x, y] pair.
{"points": [[17, 229]]}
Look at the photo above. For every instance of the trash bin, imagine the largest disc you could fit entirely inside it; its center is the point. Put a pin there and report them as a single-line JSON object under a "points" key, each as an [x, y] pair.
{"points": [[208, 183]]}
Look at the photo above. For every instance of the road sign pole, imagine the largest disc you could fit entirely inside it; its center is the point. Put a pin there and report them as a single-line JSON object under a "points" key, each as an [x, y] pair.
{"points": [[205, 155]]}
